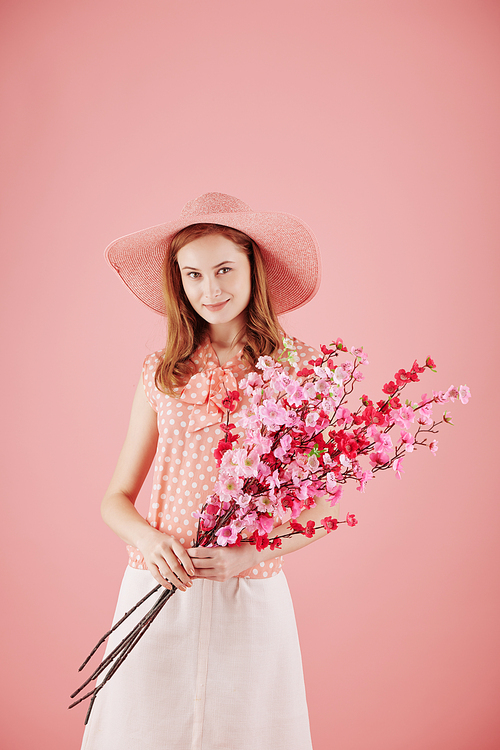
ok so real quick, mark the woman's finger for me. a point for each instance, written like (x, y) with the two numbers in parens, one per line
(201, 551)
(158, 576)
(203, 562)
(169, 575)
(183, 558)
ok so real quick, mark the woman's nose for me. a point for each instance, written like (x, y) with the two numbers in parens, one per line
(212, 287)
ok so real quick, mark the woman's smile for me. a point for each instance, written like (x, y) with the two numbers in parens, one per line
(216, 306)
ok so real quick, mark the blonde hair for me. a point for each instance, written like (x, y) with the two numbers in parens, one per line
(186, 329)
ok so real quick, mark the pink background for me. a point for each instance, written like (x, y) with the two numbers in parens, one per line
(377, 123)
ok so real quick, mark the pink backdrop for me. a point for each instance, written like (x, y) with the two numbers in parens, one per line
(377, 123)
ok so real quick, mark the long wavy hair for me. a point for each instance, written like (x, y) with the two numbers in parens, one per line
(186, 329)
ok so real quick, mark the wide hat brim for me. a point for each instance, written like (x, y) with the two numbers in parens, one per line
(289, 249)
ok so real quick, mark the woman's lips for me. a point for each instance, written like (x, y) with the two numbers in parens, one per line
(219, 306)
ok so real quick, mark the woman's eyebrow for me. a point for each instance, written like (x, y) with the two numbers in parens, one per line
(224, 263)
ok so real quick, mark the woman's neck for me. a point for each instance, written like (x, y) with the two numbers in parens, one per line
(227, 339)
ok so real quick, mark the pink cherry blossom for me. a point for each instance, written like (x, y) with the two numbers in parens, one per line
(384, 443)
(433, 447)
(404, 416)
(439, 397)
(265, 523)
(312, 418)
(425, 419)
(247, 463)
(264, 504)
(335, 495)
(339, 375)
(464, 394)
(294, 393)
(226, 535)
(280, 381)
(252, 380)
(331, 482)
(272, 414)
(320, 372)
(267, 365)
(379, 459)
(452, 393)
(363, 477)
(397, 466)
(344, 417)
(322, 387)
(408, 440)
(373, 432)
(313, 462)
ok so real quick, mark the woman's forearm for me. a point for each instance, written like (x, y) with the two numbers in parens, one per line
(120, 514)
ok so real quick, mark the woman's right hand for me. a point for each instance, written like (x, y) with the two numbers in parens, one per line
(167, 560)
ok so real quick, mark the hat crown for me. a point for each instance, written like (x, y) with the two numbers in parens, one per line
(214, 203)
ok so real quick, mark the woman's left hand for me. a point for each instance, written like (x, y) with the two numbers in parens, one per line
(221, 563)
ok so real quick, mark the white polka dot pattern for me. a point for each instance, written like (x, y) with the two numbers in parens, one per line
(180, 483)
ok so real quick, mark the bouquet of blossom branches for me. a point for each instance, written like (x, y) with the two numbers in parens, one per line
(300, 440)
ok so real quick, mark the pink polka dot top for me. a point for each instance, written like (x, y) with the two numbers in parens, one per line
(185, 469)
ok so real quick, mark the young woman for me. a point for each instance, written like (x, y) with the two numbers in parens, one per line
(220, 668)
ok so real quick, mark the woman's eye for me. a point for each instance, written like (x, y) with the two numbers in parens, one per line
(224, 270)
(193, 274)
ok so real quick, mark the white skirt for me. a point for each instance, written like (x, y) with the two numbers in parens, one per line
(219, 669)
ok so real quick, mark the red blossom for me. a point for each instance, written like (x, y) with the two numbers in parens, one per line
(429, 362)
(395, 403)
(350, 519)
(402, 377)
(349, 447)
(224, 445)
(261, 541)
(368, 414)
(230, 400)
(362, 440)
(340, 345)
(379, 418)
(330, 524)
(416, 367)
(296, 526)
(390, 387)
(325, 350)
(310, 530)
(275, 543)
(305, 372)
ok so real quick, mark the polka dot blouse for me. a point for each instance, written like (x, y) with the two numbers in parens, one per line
(185, 469)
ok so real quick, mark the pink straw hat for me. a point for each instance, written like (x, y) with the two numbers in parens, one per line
(289, 249)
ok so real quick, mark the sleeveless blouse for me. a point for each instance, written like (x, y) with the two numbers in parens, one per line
(185, 469)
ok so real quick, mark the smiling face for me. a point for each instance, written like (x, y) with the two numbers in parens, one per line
(216, 277)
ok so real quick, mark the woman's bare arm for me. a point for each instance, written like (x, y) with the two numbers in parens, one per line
(165, 557)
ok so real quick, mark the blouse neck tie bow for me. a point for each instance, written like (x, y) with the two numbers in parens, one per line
(206, 390)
